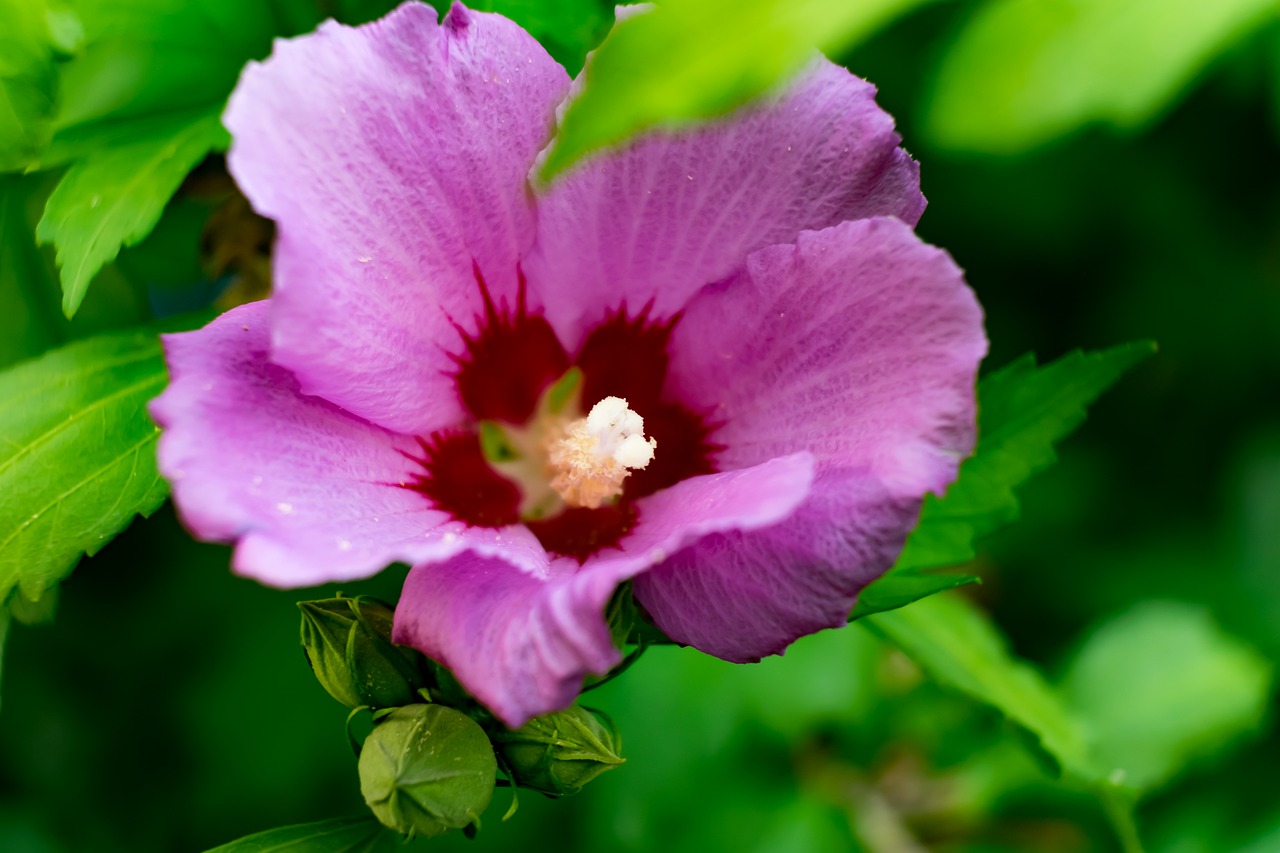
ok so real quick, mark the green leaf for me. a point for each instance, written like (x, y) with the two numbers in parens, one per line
(355, 12)
(342, 835)
(145, 59)
(687, 60)
(115, 196)
(5, 619)
(29, 324)
(19, 609)
(1025, 71)
(1149, 692)
(1160, 686)
(898, 587)
(77, 454)
(139, 107)
(1023, 410)
(566, 28)
(40, 612)
(957, 645)
(28, 82)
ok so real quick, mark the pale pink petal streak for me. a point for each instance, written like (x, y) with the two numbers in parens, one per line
(308, 492)
(392, 157)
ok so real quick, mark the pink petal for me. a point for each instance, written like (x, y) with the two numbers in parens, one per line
(522, 641)
(859, 344)
(666, 215)
(308, 492)
(743, 595)
(392, 156)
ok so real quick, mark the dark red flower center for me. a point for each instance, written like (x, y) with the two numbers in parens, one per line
(504, 367)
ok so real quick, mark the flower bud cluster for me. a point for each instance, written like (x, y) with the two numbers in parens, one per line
(431, 763)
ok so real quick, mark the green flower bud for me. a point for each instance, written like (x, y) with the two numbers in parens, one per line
(558, 754)
(426, 769)
(348, 644)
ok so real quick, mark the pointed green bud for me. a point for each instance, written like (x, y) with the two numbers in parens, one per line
(348, 644)
(558, 754)
(426, 769)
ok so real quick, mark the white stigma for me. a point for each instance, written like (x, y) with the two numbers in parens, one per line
(594, 455)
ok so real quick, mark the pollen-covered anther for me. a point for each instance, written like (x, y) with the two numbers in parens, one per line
(593, 456)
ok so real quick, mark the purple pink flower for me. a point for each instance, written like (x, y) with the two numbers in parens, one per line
(717, 362)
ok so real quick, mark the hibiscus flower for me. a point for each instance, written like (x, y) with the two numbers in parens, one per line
(716, 362)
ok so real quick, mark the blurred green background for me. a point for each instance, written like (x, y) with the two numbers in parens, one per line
(1100, 181)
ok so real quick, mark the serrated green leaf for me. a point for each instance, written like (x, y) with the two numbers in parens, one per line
(1160, 686)
(1023, 410)
(957, 645)
(1024, 71)
(114, 197)
(342, 835)
(686, 60)
(28, 82)
(139, 107)
(77, 454)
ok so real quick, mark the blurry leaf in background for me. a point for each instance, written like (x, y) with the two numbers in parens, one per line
(356, 12)
(566, 28)
(1149, 692)
(27, 325)
(141, 59)
(956, 644)
(77, 455)
(1023, 410)
(31, 319)
(114, 196)
(28, 82)
(19, 609)
(5, 619)
(1258, 511)
(343, 835)
(1160, 686)
(686, 60)
(1022, 72)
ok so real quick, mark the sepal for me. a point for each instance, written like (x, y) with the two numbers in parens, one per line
(348, 644)
(557, 754)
